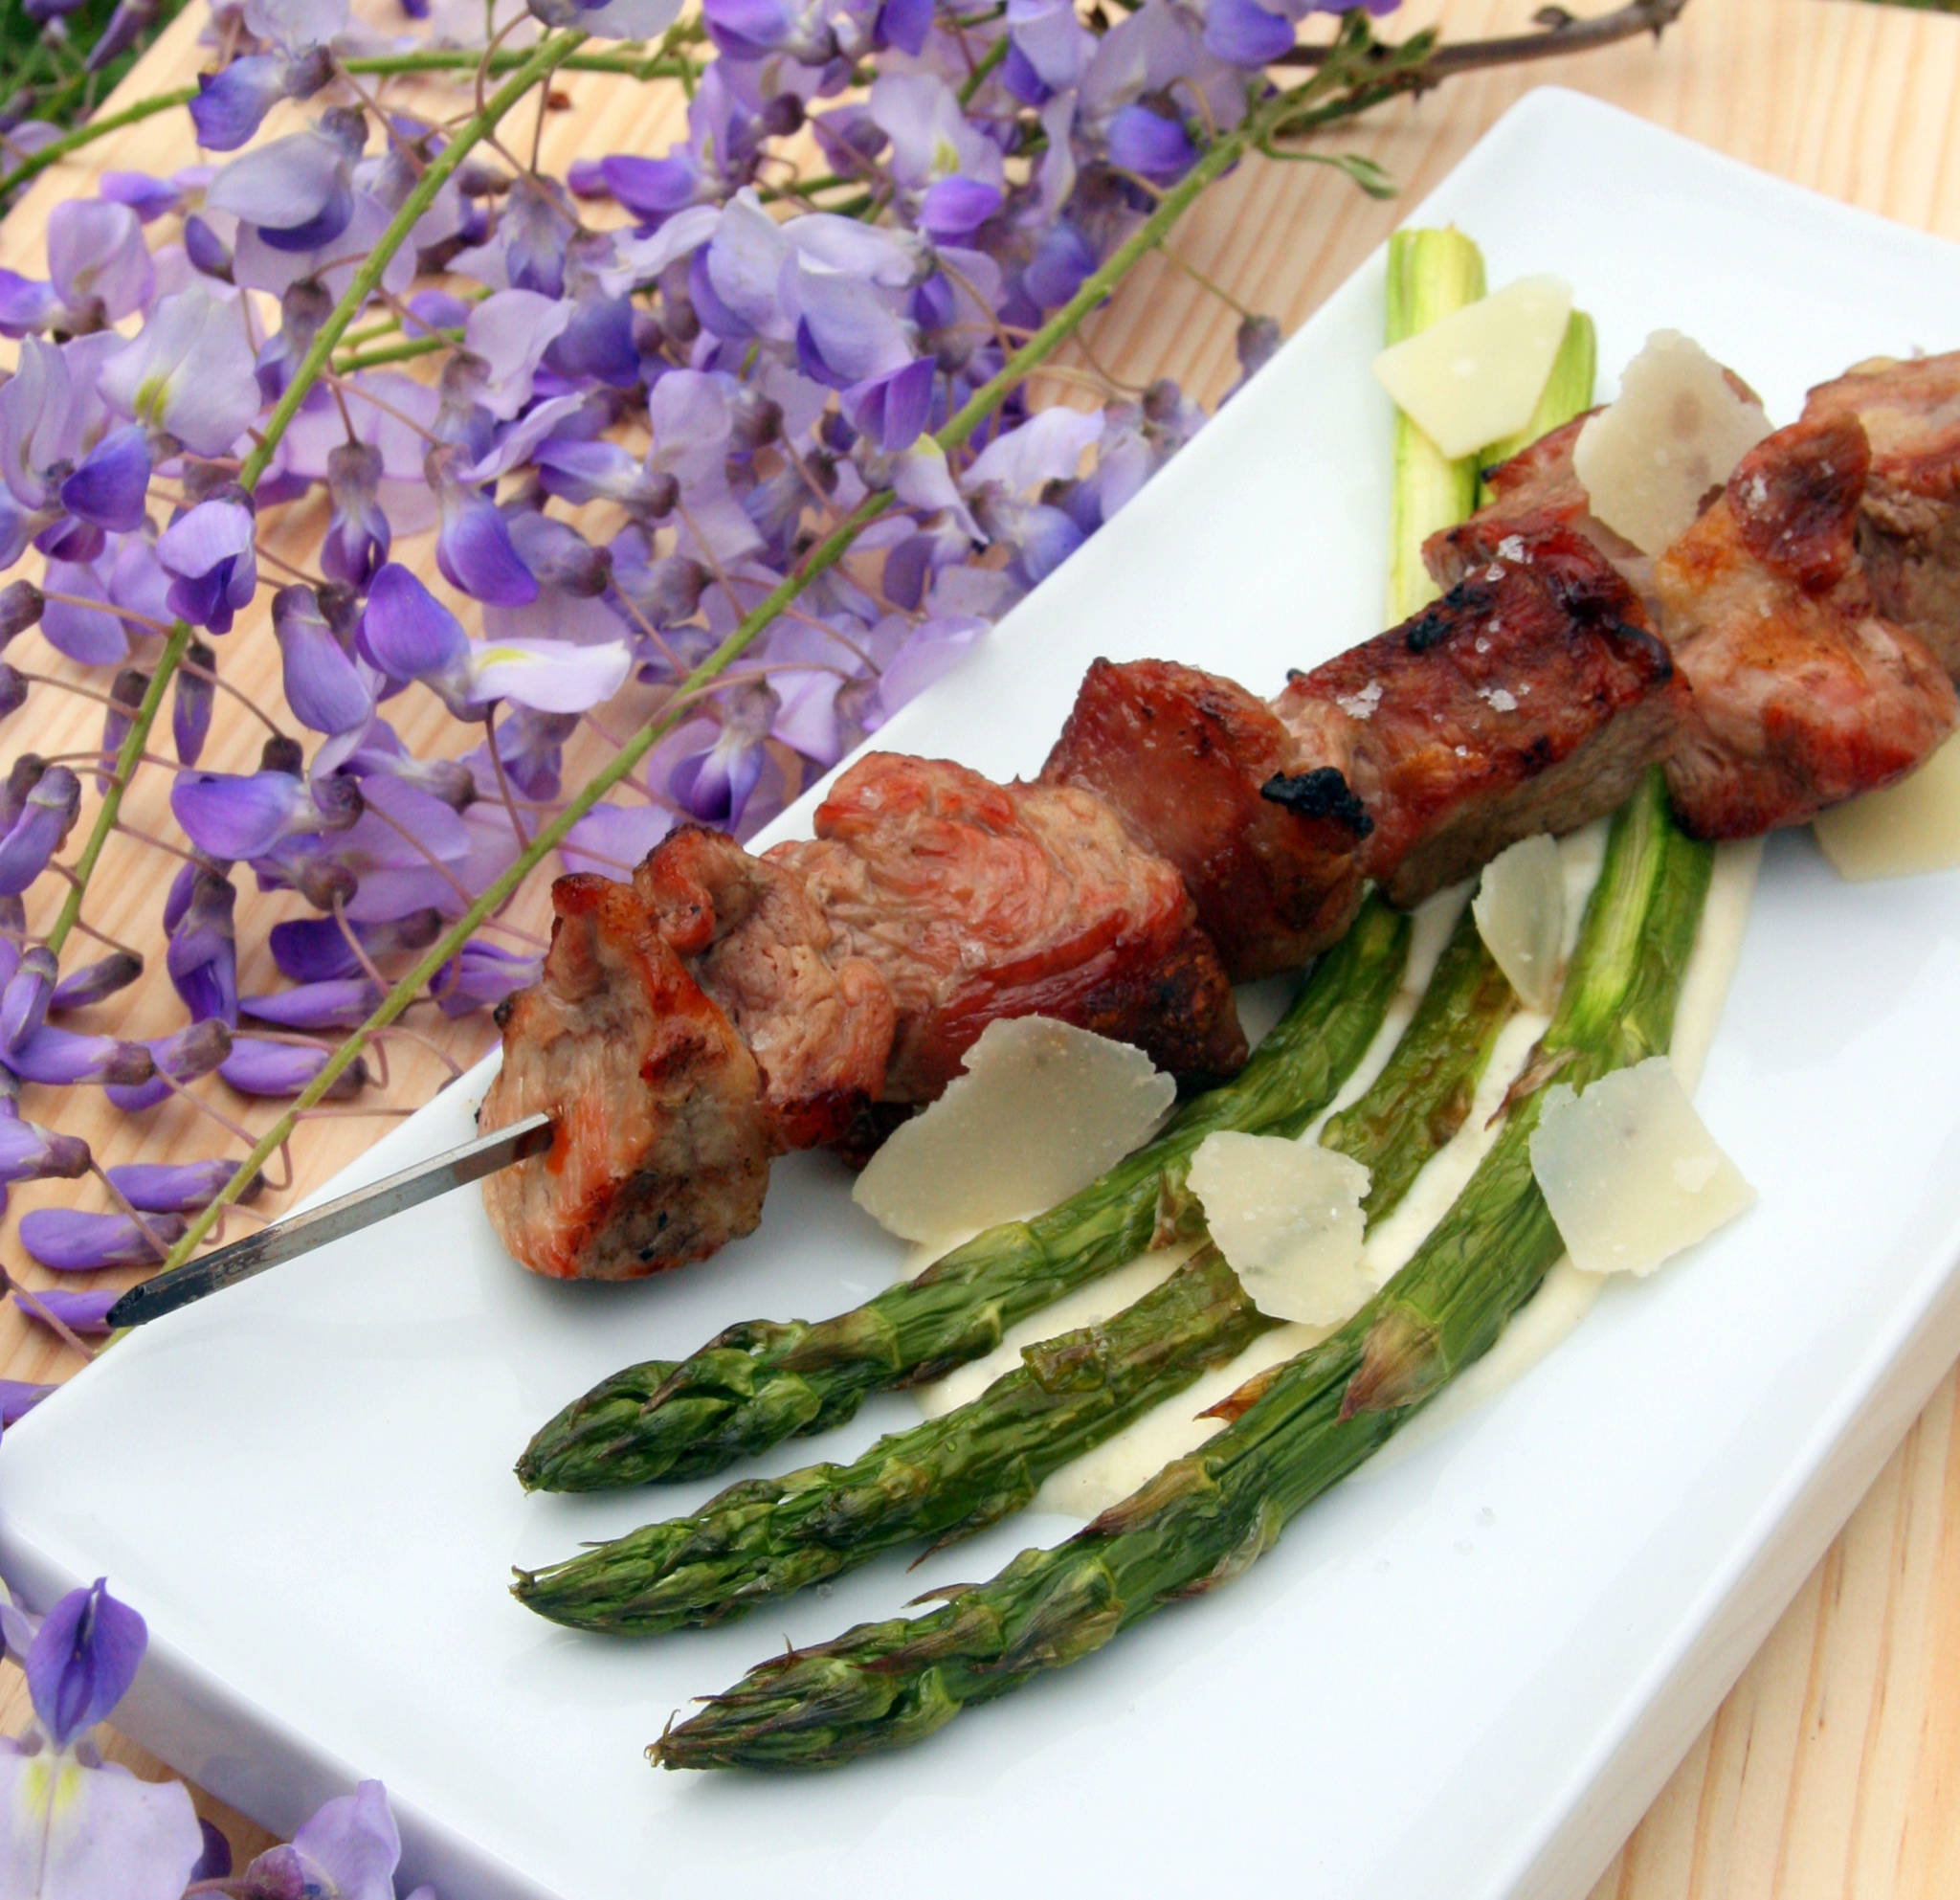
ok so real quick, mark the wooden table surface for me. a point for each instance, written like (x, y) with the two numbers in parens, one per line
(1834, 1765)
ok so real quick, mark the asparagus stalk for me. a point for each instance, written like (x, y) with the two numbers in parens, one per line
(1303, 1426)
(1430, 273)
(764, 1539)
(1568, 392)
(761, 1382)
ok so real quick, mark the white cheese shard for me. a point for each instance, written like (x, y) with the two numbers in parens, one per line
(1042, 1108)
(1286, 1214)
(1677, 431)
(1902, 830)
(1475, 376)
(1630, 1173)
(1520, 907)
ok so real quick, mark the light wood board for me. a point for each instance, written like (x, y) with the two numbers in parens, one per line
(1834, 1766)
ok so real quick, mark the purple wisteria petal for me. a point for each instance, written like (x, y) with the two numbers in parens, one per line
(97, 258)
(36, 834)
(82, 1831)
(1051, 39)
(260, 1066)
(27, 304)
(893, 410)
(315, 950)
(620, 19)
(86, 1312)
(181, 1187)
(147, 197)
(232, 104)
(347, 1851)
(291, 184)
(95, 982)
(931, 652)
(1244, 33)
(509, 332)
(610, 839)
(481, 975)
(190, 372)
(60, 1058)
(202, 957)
(66, 1241)
(715, 783)
(209, 552)
(109, 486)
(548, 676)
(234, 815)
(473, 550)
(18, 1398)
(1048, 447)
(327, 688)
(955, 208)
(30, 1154)
(342, 1003)
(407, 634)
(83, 1658)
(25, 997)
(216, 1862)
(1150, 144)
(89, 636)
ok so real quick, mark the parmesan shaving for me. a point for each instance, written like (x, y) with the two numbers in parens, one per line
(1677, 431)
(1475, 376)
(1630, 1173)
(1520, 907)
(1904, 829)
(1042, 1108)
(1286, 1214)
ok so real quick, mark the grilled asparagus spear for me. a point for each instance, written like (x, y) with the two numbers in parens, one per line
(1303, 1426)
(762, 1381)
(948, 1476)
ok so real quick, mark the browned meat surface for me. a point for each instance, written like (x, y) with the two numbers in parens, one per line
(1529, 698)
(1185, 759)
(662, 1146)
(976, 901)
(1532, 493)
(761, 948)
(1909, 525)
(1803, 695)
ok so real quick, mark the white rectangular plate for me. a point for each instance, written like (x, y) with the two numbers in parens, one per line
(1462, 1676)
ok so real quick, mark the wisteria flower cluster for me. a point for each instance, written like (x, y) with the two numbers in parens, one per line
(587, 474)
(668, 482)
(76, 1827)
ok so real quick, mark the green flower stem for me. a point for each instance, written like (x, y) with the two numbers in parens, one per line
(543, 60)
(57, 149)
(398, 352)
(511, 59)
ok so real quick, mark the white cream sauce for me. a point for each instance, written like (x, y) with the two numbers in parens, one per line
(1116, 1468)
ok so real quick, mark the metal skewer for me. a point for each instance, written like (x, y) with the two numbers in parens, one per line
(333, 1221)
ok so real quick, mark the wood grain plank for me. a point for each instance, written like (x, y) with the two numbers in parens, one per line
(1834, 1764)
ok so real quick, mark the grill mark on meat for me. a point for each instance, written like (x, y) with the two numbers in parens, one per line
(1529, 698)
(975, 900)
(1187, 761)
(662, 1142)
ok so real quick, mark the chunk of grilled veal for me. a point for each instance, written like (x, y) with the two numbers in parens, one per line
(1198, 771)
(976, 901)
(1908, 523)
(1534, 493)
(1803, 695)
(1529, 698)
(759, 947)
(662, 1141)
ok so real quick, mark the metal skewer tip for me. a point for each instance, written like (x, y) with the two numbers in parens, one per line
(333, 1221)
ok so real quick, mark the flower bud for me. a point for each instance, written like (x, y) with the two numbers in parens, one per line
(67, 1241)
(94, 981)
(20, 607)
(25, 998)
(180, 1187)
(280, 753)
(192, 700)
(61, 1059)
(34, 836)
(13, 690)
